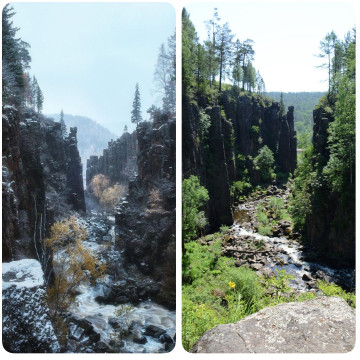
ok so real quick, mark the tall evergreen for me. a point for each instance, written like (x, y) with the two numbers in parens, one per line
(136, 111)
(165, 75)
(15, 59)
(39, 99)
(63, 125)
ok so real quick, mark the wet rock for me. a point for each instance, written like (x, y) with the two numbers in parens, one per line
(81, 329)
(166, 338)
(284, 224)
(101, 347)
(256, 266)
(154, 331)
(306, 277)
(322, 325)
(267, 272)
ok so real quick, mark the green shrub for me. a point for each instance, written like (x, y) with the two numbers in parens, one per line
(330, 289)
(264, 162)
(265, 230)
(194, 196)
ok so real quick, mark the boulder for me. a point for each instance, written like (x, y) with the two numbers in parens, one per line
(322, 325)
(26, 327)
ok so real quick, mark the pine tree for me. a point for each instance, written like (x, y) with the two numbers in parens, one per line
(223, 48)
(136, 111)
(63, 125)
(15, 59)
(39, 99)
(125, 129)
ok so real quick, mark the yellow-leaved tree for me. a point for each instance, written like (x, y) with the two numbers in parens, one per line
(73, 263)
(107, 195)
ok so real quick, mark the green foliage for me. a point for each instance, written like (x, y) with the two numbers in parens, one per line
(340, 169)
(264, 229)
(218, 292)
(241, 188)
(300, 203)
(254, 134)
(331, 289)
(277, 289)
(264, 162)
(199, 259)
(194, 196)
(204, 124)
(196, 320)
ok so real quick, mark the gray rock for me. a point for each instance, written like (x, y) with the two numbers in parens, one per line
(323, 325)
(26, 325)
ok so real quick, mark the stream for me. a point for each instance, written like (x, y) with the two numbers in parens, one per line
(122, 327)
(280, 253)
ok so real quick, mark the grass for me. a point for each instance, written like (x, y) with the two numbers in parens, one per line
(215, 291)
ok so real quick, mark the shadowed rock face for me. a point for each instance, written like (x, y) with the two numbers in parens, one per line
(42, 180)
(118, 161)
(246, 124)
(145, 222)
(330, 227)
(323, 325)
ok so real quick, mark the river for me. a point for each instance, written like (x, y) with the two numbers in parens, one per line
(134, 320)
(277, 253)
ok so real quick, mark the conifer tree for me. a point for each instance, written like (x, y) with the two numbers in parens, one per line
(39, 99)
(63, 125)
(136, 111)
(15, 59)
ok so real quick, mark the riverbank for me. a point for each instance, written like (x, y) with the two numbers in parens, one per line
(237, 271)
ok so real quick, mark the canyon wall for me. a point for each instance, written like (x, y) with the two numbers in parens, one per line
(330, 226)
(118, 161)
(42, 180)
(145, 221)
(240, 124)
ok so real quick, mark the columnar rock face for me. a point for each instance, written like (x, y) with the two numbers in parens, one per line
(244, 125)
(118, 161)
(145, 221)
(42, 180)
(330, 227)
(323, 325)
(26, 326)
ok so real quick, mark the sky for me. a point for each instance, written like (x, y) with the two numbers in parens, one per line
(88, 57)
(287, 36)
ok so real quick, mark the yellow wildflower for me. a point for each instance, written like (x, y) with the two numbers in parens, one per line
(231, 285)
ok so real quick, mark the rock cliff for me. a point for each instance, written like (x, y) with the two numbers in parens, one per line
(323, 325)
(145, 221)
(330, 227)
(42, 180)
(240, 124)
(118, 161)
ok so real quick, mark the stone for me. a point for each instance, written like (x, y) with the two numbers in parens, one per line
(306, 277)
(154, 331)
(26, 325)
(322, 325)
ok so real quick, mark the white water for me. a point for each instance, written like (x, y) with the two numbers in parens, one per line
(291, 253)
(140, 316)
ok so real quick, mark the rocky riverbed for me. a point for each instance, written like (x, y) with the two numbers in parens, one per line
(117, 314)
(282, 250)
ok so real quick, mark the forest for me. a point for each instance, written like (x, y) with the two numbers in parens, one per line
(88, 239)
(261, 225)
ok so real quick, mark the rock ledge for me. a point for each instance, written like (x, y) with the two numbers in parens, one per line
(323, 325)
